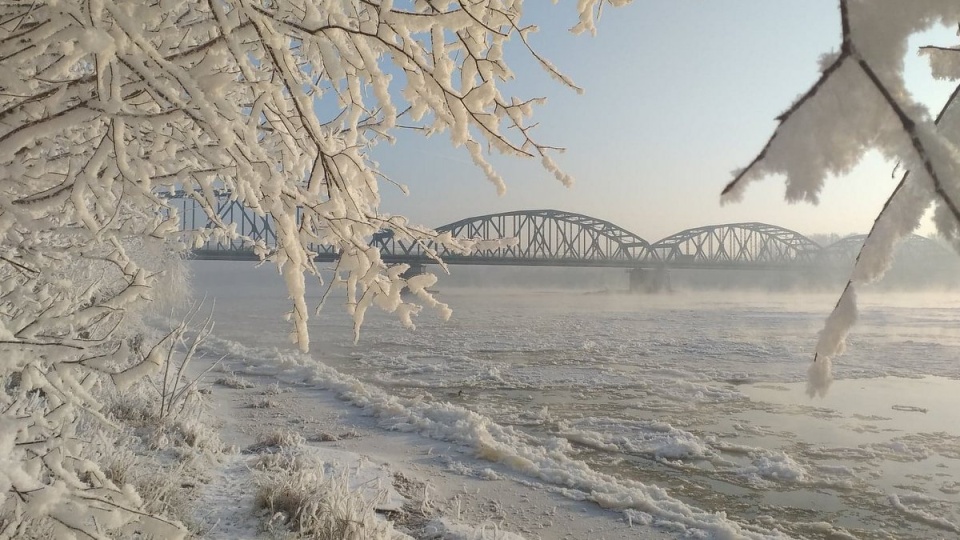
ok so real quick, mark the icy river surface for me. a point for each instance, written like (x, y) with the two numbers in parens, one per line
(699, 393)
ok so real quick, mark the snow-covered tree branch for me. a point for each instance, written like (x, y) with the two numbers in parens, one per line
(861, 102)
(105, 105)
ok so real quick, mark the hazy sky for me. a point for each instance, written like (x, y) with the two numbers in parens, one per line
(679, 93)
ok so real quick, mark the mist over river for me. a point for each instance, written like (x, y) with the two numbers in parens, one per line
(701, 393)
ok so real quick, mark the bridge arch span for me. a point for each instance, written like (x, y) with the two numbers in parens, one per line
(737, 244)
(551, 235)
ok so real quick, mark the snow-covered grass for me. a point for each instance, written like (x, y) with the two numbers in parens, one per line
(163, 457)
(165, 485)
(299, 494)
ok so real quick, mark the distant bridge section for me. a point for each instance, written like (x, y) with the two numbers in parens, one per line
(914, 248)
(540, 238)
(557, 238)
(751, 245)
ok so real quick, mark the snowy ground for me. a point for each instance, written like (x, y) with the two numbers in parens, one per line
(480, 496)
(572, 415)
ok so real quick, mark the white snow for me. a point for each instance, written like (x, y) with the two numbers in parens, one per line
(447, 529)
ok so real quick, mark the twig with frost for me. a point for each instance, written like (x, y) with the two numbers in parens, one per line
(174, 387)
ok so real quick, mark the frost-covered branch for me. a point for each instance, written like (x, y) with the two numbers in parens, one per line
(277, 105)
(860, 102)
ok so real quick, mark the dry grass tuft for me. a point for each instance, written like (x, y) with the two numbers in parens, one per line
(281, 438)
(235, 381)
(136, 408)
(265, 403)
(276, 441)
(274, 389)
(299, 496)
(326, 436)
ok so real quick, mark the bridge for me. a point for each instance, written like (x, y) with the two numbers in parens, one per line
(557, 238)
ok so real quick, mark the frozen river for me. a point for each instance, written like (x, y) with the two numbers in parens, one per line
(699, 393)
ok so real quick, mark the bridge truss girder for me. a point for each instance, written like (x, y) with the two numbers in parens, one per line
(254, 227)
(540, 235)
(548, 238)
(737, 244)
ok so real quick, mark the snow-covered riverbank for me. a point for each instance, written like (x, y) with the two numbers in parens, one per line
(559, 415)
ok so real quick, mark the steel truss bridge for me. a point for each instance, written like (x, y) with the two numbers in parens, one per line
(557, 238)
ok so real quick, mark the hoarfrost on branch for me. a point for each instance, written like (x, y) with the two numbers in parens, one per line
(105, 105)
(860, 102)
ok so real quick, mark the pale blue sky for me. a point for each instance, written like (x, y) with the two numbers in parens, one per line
(678, 94)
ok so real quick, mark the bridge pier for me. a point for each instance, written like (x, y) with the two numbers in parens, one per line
(649, 280)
